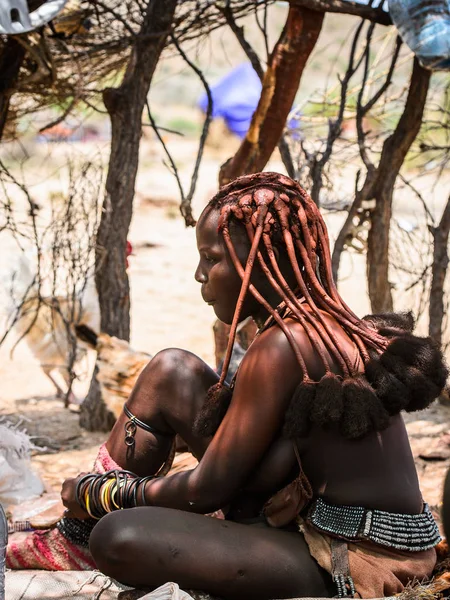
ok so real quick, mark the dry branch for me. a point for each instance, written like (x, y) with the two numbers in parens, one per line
(251, 54)
(376, 15)
(438, 274)
(319, 160)
(280, 84)
(45, 292)
(394, 152)
(86, 48)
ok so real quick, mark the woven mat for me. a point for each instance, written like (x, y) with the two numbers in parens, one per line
(81, 585)
(76, 585)
(73, 585)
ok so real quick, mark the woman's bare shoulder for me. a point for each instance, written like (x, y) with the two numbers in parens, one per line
(271, 362)
(274, 342)
(280, 347)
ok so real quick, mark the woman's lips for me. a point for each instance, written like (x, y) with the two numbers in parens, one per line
(207, 300)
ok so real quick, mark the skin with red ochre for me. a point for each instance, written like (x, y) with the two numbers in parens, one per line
(245, 462)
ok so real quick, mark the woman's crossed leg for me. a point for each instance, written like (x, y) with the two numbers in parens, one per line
(148, 546)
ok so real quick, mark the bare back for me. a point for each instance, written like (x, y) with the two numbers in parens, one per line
(376, 471)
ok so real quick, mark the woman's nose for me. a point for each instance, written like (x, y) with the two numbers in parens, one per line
(200, 276)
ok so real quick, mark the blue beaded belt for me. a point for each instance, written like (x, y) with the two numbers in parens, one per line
(413, 533)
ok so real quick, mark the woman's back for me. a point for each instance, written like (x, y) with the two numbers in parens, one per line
(375, 471)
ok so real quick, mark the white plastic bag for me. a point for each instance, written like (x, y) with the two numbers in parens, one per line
(18, 482)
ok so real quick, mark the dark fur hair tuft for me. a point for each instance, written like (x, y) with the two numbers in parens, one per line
(212, 412)
(328, 404)
(422, 390)
(391, 391)
(423, 354)
(297, 420)
(363, 410)
(403, 320)
(392, 332)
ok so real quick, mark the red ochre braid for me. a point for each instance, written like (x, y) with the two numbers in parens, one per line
(275, 201)
(276, 212)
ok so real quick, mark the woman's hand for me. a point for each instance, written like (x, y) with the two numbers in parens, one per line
(68, 497)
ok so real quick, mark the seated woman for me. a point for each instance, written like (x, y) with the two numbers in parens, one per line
(305, 453)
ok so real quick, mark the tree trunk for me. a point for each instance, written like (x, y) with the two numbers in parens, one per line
(124, 105)
(438, 273)
(280, 85)
(94, 415)
(345, 232)
(11, 59)
(394, 152)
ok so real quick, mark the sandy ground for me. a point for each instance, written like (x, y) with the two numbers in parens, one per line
(167, 311)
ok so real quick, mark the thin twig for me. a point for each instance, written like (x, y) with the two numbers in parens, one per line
(172, 165)
(251, 54)
(420, 197)
(262, 27)
(186, 209)
(359, 106)
(369, 105)
(239, 33)
(61, 118)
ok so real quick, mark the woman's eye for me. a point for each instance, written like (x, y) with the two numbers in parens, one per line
(210, 259)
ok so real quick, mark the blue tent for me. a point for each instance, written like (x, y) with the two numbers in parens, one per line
(235, 98)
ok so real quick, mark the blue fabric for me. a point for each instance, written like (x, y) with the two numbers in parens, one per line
(235, 98)
(425, 27)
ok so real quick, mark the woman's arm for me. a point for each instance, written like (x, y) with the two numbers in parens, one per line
(266, 381)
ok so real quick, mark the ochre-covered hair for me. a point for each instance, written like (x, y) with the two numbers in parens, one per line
(401, 371)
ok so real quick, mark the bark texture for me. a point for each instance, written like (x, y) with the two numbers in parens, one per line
(439, 271)
(394, 152)
(125, 105)
(280, 85)
(11, 59)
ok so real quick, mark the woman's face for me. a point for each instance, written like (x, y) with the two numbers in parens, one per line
(220, 281)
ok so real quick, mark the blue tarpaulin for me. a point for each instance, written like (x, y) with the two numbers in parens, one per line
(235, 98)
